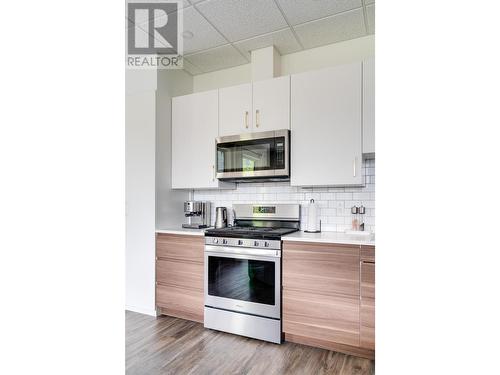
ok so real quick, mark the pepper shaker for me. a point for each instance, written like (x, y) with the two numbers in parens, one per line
(361, 211)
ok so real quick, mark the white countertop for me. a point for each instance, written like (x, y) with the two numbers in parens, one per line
(323, 237)
(329, 237)
(180, 230)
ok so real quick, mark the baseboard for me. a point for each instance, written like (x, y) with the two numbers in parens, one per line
(141, 310)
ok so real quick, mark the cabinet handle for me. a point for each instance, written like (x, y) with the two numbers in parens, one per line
(213, 172)
(246, 119)
(257, 117)
(354, 166)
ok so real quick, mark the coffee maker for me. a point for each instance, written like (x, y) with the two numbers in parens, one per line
(197, 213)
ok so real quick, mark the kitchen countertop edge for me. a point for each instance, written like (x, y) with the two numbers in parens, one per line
(327, 237)
(183, 231)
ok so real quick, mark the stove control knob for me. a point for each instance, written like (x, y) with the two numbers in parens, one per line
(224, 241)
(215, 240)
(266, 244)
(240, 242)
(256, 243)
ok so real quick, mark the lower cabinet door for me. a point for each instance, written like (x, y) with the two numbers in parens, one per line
(180, 302)
(332, 318)
(367, 315)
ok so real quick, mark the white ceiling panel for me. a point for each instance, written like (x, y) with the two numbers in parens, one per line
(243, 19)
(284, 41)
(370, 17)
(299, 11)
(204, 36)
(344, 26)
(217, 58)
(190, 68)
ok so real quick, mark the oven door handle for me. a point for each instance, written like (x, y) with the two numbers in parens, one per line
(224, 250)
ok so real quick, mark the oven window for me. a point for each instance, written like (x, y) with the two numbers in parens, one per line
(241, 279)
(246, 156)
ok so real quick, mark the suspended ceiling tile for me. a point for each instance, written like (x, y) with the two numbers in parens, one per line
(344, 26)
(204, 36)
(298, 12)
(284, 41)
(217, 58)
(243, 19)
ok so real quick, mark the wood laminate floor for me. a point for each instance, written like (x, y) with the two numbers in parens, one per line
(167, 345)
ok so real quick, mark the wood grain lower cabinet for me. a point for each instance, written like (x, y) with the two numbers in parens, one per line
(321, 292)
(367, 306)
(332, 318)
(321, 268)
(179, 276)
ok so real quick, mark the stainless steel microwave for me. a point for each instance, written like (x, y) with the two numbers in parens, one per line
(263, 156)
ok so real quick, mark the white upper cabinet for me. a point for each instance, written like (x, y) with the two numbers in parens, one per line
(369, 106)
(235, 110)
(326, 140)
(258, 107)
(194, 129)
(271, 104)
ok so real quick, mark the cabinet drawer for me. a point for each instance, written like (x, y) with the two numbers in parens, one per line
(185, 248)
(368, 253)
(180, 302)
(319, 268)
(183, 274)
(329, 318)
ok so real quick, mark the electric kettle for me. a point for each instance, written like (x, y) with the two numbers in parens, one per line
(220, 217)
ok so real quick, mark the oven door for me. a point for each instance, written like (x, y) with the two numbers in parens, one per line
(243, 280)
(253, 155)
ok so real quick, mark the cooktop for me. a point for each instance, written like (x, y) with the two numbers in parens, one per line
(249, 232)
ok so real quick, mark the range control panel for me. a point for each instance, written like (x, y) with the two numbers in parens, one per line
(243, 242)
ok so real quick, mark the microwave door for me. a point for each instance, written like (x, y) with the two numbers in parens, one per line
(252, 157)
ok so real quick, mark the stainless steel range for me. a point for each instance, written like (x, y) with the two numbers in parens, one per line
(243, 270)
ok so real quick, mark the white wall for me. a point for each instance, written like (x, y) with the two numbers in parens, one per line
(311, 59)
(222, 78)
(150, 202)
(330, 55)
(140, 129)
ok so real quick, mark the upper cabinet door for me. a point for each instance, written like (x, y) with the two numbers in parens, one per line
(369, 106)
(194, 129)
(326, 141)
(271, 104)
(235, 110)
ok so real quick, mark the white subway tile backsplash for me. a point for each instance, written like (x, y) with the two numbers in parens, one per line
(343, 196)
(269, 196)
(334, 202)
(360, 196)
(327, 196)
